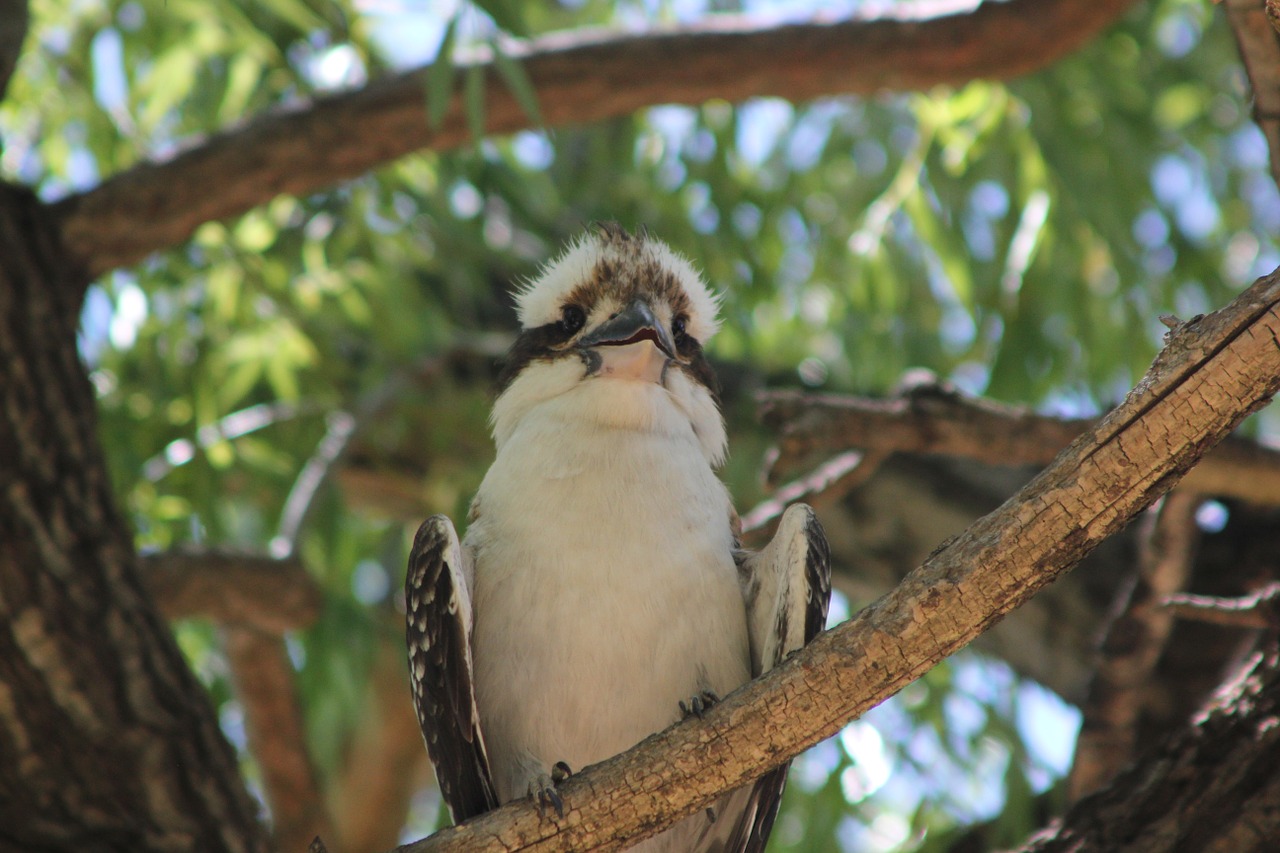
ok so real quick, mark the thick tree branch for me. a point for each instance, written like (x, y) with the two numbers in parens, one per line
(1210, 375)
(263, 677)
(579, 78)
(250, 590)
(1259, 45)
(1212, 788)
(939, 420)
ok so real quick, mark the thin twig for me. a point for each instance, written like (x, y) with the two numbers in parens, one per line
(1259, 610)
(829, 482)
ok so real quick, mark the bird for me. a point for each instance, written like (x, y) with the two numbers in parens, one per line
(602, 592)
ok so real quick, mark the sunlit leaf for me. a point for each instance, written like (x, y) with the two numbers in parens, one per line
(518, 82)
(507, 14)
(474, 91)
(440, 77)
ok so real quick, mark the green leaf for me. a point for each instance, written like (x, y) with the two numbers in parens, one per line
(507, 14)
(518, 82)
(474, 93)
(440, 77)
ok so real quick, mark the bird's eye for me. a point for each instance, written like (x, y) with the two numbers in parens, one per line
(572, 318)
(680, 330)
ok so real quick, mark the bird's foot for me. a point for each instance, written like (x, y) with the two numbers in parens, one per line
(542, 789)
(698, 704)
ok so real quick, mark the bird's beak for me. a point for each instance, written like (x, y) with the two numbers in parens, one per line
(619, 346)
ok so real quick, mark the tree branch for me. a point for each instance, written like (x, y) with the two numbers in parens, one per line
(1214, 787)
(257, 600)
(939, 420)
(269, 594)
(1211, 374)
(264, 682)
(827, 483)
(579, 78)
(1259, 610)
(1135, 638)
(1259, 45)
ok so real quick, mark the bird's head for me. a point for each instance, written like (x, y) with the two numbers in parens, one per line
(613, 331)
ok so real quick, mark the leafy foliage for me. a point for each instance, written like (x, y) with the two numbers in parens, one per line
(1017, 239)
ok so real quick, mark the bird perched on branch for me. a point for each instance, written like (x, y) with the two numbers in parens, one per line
(601, 592)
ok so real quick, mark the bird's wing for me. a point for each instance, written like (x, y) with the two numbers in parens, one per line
(786, 588)
(438, 630)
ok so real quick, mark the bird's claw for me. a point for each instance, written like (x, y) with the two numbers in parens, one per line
(698, 704)
(542, 790)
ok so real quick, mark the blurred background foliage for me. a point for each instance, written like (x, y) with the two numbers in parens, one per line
(314, 377)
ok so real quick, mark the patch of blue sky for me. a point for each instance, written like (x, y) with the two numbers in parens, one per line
(809, 134)
(1177, 35)
(1151, 228)
(95, 317)
(110, 84)
(335, 67)
(1212, 516)
(1259, 189)
(533, 149)
(408, 34)
(1182, 186)
(762, 124)
(112, 314)
(1048, 727)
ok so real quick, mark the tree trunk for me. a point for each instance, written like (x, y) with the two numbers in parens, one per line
(107, 741)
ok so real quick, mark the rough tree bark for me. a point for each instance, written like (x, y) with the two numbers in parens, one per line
(105, 734)
(106, 740)
(1214, 788)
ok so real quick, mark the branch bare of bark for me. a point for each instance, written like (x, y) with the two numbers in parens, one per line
(234, 589)
(826, 483)
(939, 420)
(1210, 375)
(263, 677)
(1259, 610)
(1259, 45)
(1135, 638)
(579, 78)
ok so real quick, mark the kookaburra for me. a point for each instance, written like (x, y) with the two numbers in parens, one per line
(601, 592)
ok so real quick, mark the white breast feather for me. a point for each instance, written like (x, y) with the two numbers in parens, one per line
(605, 586)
